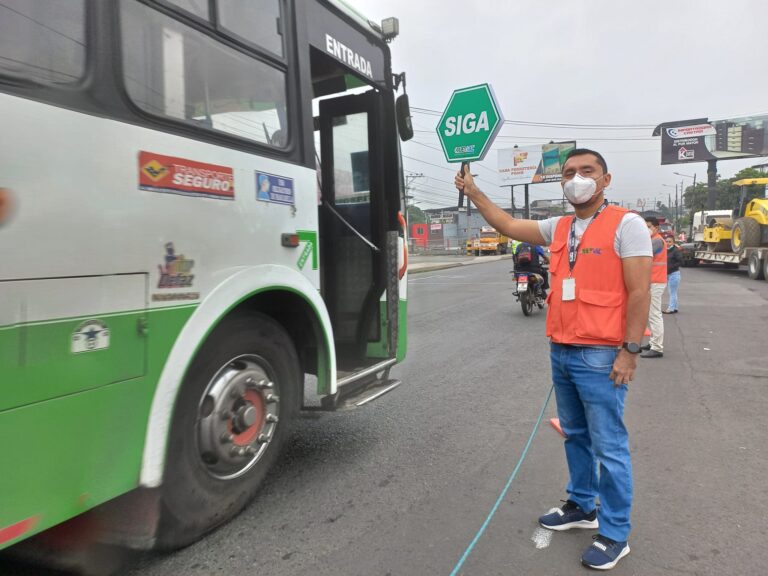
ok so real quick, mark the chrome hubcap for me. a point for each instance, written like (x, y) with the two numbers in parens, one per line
(237, 417)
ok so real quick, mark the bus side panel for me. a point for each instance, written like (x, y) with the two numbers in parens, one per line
(77, 451)
(70, 335)
(82, 212)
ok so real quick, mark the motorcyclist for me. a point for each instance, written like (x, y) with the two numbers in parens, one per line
(530, 258)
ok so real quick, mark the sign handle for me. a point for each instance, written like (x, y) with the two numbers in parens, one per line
(461, 192)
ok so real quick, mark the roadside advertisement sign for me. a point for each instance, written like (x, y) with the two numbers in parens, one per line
(702, 140)
(533, 164)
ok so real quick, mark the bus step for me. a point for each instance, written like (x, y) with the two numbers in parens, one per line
(347, 399)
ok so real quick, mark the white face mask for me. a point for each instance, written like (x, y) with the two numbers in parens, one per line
(579, 189)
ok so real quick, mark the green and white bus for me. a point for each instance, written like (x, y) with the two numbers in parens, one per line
(201, 205)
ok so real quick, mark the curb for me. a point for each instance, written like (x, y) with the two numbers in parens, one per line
(432, 268)
(446, 265)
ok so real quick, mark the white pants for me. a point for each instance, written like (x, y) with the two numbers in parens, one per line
(655, 319)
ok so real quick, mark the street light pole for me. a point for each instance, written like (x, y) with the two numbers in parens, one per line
(710, 197)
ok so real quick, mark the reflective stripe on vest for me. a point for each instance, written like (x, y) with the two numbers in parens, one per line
(597, 317)
(659, 269)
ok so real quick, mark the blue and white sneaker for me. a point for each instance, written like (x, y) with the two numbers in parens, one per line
(604, 553)
(569, 516)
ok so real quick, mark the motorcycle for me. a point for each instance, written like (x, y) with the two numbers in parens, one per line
(529, 291)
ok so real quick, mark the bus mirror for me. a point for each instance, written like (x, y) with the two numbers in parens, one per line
(403, 113)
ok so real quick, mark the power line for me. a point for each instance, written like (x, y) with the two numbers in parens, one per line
(441, 151)
(545, 139)
(645, 150)
(429, 111)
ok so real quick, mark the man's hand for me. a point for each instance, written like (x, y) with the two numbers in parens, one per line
(466, 182)
(623, 368)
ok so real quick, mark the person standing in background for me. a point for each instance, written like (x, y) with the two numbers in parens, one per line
(658, 285)
(674, 261)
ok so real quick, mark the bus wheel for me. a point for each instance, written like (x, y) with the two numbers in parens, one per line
(232, 415)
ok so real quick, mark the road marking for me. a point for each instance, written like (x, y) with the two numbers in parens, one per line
(420, 278)
(463, 284)
(542, 537)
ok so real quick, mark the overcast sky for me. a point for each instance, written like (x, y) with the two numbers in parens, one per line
(580, 62)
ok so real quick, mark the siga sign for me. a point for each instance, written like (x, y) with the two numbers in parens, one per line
(469, 124)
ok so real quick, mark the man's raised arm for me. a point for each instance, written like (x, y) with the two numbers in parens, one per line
(523, 230)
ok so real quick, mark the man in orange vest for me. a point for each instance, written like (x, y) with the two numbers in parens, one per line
(600, 266)
(655, 348)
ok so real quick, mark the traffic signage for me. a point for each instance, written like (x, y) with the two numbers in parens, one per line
(471, 121)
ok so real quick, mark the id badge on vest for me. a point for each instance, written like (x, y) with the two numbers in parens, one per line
(569, 289)
(569, 284)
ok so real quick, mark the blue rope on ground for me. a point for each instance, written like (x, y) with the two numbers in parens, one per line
(472, 544)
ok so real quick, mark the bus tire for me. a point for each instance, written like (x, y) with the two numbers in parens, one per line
(233, 413)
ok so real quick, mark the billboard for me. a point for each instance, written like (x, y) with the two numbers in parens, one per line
(533, 164)
(702, 140)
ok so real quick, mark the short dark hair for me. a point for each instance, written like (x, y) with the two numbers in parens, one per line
(652, 220)
(582, 151)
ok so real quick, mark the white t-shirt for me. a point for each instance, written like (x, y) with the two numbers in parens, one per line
(632, 236)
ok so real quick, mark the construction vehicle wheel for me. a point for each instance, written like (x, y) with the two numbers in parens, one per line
(765, 268)
(755, 267)
(745, 234)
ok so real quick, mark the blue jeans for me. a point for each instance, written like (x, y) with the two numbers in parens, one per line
(591, 412)
(673, 282)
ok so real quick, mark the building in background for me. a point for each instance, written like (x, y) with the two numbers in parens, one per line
(448, 229)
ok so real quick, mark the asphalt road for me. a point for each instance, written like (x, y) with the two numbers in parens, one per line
(402, 486)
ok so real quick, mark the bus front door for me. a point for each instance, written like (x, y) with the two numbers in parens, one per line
(353, 230)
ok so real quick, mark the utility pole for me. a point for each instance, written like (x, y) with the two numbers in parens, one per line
(409, 179)
(711, 184)
(527, 204)
(670, 206)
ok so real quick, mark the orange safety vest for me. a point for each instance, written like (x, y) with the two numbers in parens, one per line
(598, 315)
(659, 269)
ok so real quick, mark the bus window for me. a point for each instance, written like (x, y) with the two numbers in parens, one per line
(43, 41)
(197, 7)
(176, 71)
(257, 21)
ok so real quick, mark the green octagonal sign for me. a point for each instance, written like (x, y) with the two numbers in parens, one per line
(471, 121)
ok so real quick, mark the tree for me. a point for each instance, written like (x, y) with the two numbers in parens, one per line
(416, 215)
(669, 213)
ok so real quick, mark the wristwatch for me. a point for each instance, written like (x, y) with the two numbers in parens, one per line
(631, 347)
